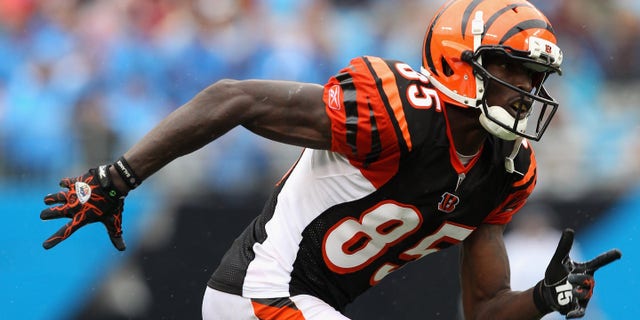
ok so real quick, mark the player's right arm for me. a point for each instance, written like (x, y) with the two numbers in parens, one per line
(288, 112)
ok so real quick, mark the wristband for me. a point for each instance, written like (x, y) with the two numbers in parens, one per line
(126, 173)
(104, 178)
(538, 299)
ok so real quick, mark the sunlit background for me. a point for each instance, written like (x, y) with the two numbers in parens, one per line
(82, 80)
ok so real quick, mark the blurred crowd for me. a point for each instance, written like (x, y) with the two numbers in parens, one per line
(82, 80)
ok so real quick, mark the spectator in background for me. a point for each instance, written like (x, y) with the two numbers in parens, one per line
(97, 138)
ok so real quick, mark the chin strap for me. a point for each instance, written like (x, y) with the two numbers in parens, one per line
(508, 161)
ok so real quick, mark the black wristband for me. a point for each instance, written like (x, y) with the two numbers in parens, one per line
(104, 178)
(538, 299)
(126, 173)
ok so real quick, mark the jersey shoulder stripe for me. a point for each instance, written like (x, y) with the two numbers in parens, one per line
(388, 85)
(362, 127)
(367, 118)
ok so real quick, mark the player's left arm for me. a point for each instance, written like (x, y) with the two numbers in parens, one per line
(485, 279)
(567, 286)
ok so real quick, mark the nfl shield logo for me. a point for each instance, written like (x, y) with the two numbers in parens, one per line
(83, 191)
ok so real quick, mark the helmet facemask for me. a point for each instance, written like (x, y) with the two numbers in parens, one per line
(530, 114)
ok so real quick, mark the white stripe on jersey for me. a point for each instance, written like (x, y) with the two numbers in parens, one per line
(320, 180)
(221, 305)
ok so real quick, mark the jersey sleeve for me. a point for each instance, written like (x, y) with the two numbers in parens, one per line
(520, 189)
(368, 122)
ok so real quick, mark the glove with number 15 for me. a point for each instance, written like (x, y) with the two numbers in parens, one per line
(568, 285)
(90, 198)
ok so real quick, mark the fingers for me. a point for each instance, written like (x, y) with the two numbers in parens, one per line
(52, 241)
(56, 212)
(583, 281)
(118, 242)
(583, 285)
(67, 198)
(114, 228)
(577, 313)
(67, 182)
(602, 260)
(63, 233)
(556, 271)
(564, 246)
(59, 197)
(84, 207)
(113, 225)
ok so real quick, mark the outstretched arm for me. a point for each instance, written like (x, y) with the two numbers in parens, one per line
(287, 112)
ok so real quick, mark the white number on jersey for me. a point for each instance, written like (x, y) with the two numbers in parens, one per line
(353, 244)
(420, 97)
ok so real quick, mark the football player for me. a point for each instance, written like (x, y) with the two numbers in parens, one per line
(397, 164)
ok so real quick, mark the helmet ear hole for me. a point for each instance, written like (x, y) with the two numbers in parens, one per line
(446, 68)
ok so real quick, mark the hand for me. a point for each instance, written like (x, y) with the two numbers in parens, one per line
(568, 285)
(90, 198)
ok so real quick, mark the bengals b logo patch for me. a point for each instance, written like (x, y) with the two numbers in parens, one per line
(448, 202)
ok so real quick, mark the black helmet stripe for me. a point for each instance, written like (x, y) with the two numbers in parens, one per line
(499, 13)
(469, 10)
(467, 14)
(427, 41)
(526, 25)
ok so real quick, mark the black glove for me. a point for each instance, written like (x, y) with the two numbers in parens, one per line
(90, 198)
(568, 285)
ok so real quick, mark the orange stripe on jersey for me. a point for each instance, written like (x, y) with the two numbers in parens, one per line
(522, 189)
(276, 309)
(391, 90)
(531, 170)
(361, 122)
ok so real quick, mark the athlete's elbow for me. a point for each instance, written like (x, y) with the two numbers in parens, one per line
(224, 94)
(221, 89)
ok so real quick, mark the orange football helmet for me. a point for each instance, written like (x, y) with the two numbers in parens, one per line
(464, 31)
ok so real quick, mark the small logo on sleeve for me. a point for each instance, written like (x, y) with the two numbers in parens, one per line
(334, 97)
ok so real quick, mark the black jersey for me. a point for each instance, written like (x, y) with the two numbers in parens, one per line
(391, 190)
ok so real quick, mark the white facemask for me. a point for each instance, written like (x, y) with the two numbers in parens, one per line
(501, 115)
